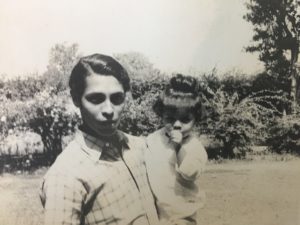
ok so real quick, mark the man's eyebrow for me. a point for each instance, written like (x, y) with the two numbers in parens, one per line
(95, 94)
(118, 92)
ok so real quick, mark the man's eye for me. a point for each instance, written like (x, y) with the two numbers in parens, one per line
(117, 98)
(96, 98)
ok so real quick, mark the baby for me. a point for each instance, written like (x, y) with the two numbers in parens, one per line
(176, 157)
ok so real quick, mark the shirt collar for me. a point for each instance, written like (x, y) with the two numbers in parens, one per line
(93, 146)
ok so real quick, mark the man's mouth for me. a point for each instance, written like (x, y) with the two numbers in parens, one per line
(109, 123)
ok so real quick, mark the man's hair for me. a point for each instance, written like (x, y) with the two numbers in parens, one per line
(96, 64)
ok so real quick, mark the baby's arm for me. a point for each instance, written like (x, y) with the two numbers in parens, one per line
(191, 160)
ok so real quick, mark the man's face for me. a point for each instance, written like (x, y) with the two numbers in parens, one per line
(102, 103)
(181, 119)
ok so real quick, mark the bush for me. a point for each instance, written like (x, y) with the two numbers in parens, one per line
(285, 135)
(52, 116)
(232, 114)
(237, 122)
(21, 143)
(21, 89)
(138, 117)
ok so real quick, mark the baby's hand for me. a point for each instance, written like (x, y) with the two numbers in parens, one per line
(176, 139)
(176, 136)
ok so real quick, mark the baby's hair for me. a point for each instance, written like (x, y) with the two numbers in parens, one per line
(184, 84)
(181, 90)
(96, 64)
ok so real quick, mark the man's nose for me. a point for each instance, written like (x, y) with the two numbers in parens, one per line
(177, 125)
(107, 110)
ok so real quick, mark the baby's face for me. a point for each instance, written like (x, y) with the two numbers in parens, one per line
(180, 119)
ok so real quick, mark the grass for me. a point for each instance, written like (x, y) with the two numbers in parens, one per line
(19, 199)
(265, 192)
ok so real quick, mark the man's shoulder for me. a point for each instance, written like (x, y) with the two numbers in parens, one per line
(134, 140)
(73, 149)
(67, 159)
(156, 133)
(155, 137)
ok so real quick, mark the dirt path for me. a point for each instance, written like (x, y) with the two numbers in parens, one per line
(254, 193)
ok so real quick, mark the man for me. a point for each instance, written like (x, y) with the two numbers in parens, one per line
(100, 178)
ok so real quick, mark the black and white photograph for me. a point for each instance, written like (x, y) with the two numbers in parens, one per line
(139, 112)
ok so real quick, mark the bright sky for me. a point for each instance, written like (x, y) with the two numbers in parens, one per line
(176, 35)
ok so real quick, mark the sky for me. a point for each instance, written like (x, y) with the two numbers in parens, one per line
(175, 35)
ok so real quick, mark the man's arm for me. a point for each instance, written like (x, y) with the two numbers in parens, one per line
(62, 197)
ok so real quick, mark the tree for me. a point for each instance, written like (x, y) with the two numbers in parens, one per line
(62, 59)
(276, 38)
(144, 76)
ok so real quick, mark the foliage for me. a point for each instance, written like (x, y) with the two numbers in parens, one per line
(139, 117)
(49, 114)
(285, 135)
(276, 29)
(277, 39)
(138, 66)
(265, 81)
(237, 122)
(21, 89)
(21, 142)
(146, 84)
(54, 117)
(237, 83)
(62, 59)
(236, 111)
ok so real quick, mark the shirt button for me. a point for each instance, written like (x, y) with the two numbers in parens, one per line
(107, 144)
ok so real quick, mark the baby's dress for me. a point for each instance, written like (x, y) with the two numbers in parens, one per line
(174, 177)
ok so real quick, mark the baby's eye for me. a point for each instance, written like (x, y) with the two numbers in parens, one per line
(169, 119)
(186, 119)
(117, 98)
(96, 98)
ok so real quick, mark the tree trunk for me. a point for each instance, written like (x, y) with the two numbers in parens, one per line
(228, 150)
(294, 90)
(294, 59)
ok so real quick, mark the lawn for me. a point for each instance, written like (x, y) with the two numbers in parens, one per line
(237, 193)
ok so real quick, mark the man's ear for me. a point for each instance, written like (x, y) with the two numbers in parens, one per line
(128, 96)
(75, 98)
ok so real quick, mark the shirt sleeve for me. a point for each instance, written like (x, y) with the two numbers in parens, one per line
(191, 160)
(62, 197)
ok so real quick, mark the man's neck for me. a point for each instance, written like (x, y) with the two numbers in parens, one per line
(89, 131)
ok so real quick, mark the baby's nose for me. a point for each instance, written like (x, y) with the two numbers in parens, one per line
(177, 125)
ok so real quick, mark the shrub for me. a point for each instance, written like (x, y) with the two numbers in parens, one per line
(52, 116)
(22, 142)
(285, 135)
(138, 117)
(237, 122)
(21, 89)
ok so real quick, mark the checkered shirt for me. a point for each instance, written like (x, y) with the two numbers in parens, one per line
(87, 186)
